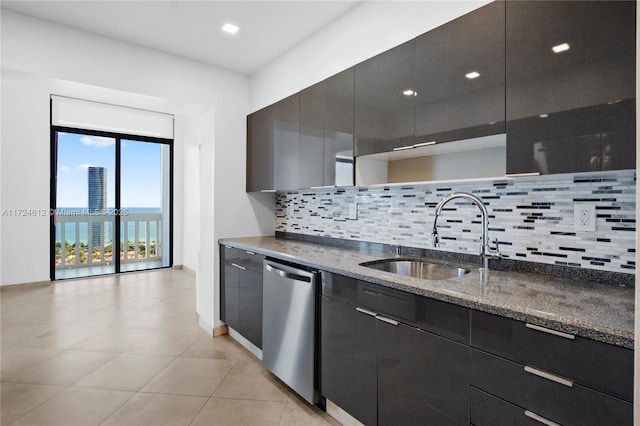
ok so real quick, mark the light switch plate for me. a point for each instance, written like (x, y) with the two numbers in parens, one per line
(584, 217)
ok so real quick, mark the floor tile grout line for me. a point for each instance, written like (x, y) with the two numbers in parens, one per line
(43, 402)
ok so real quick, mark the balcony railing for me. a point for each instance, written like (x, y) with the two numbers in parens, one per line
(87, 240)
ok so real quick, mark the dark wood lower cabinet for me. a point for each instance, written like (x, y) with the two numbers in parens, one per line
(348, 359)
(423, 379)
(251, 306)
(564, 403)
(230, 305)
(488, 410)
(383, 372)
(241, 292)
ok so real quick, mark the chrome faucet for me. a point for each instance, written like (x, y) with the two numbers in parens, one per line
(485, 250)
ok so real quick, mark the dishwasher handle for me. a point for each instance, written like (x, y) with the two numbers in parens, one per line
(286, 274)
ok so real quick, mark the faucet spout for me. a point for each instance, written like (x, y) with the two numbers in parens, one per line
(485, 250)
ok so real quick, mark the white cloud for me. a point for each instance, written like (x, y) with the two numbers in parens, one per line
(97, 141)
(83, 166)
(65, 169)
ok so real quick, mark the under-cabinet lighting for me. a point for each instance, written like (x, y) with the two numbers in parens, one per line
(402, 148)
(560, 48)
(418, 145)
(409, 92)
(230, 28)
(472, 75)
(544, 115)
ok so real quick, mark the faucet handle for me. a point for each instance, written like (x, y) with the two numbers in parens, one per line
(494, 252)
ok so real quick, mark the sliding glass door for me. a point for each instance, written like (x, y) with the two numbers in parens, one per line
(145, 197)
(111, 195)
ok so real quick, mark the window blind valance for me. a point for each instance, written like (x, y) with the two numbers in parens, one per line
(83, 114)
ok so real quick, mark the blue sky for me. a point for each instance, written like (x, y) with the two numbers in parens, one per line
(141, 170)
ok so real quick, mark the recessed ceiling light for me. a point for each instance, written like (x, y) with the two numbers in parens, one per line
(560, 48)
(472, 75)
(408, 92)
(230, 28)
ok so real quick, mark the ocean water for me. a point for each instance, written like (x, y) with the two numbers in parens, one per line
(83, 230)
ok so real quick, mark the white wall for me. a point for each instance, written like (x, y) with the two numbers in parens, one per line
(366, 30)
(202, 92)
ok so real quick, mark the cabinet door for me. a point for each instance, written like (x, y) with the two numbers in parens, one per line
(312, 110)
(348, 361)
(338, 129)
(251, 306)
(423, 379)
(286, 143)
(260, 150)
(383, 112)
(232, 296)
(452, 103)
(570, 73)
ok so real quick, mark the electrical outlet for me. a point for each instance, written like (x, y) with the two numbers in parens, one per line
(353, 211)
(290, 210)
(584, 217)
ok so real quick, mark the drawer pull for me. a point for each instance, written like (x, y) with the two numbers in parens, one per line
(364, 311)
(387, 320)
(541, 419)
(548, 376)
(239, 267)
(549, 331)
(522, 174)
(250, 252)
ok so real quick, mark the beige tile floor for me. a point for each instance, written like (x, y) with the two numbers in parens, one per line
(127, 350)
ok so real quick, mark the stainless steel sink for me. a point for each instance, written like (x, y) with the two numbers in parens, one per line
(417, 268)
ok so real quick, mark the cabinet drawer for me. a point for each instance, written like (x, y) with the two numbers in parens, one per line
(558, 402)
(395, 304)
(444, 319)
(487, 410)
(340, 287)
(597, 365)
(243, 258)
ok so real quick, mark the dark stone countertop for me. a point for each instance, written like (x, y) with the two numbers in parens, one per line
(594, 310)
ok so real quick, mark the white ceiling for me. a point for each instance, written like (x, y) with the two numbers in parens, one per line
(191, 29)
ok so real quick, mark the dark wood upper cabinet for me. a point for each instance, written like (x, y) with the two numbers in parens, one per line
(273, 146)
(459, 77)
(383, 112)
(338, 129)
(557, 76)
(570, 72)
(286, 143)
(311, 155)
(260, 150)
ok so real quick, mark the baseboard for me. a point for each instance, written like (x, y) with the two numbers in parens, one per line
(25, 286)
(341, 416)
(205, 325)
(220, 331)
(178, 267)
(247, 344)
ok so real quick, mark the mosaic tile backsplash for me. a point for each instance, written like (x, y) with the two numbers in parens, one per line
(531, 218)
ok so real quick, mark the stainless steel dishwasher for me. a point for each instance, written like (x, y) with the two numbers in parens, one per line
(288, 330)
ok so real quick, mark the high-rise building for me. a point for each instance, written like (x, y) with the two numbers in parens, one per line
(98, 201)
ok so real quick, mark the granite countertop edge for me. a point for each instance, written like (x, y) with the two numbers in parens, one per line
(618, 336)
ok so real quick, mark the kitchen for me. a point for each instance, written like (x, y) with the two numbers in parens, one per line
(531, 217)
(556, 212)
